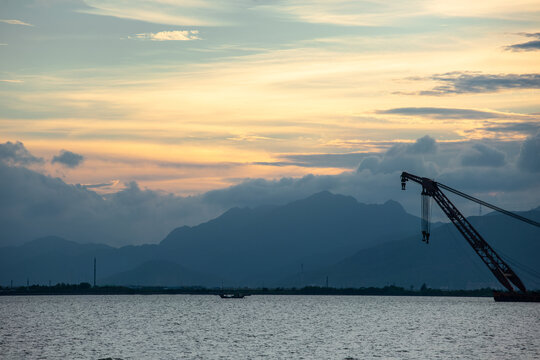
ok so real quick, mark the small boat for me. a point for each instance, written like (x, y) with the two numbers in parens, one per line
(506, 296)
(232, 296)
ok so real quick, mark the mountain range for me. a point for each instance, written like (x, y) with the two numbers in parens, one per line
(324, 236)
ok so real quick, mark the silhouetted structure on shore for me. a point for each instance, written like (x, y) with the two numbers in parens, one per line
(500, 269)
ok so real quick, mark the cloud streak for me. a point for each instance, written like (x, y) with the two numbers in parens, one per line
(344, 161)
(179, 13)
(376, 13)
(16, 22)
(445, 113)
(532, 45)
(516, 127)
(342, 12)
(472, 82)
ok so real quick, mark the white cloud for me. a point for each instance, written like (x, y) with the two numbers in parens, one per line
(179, 35)
(15, 22)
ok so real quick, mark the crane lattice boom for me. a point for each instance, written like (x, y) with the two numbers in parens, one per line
(502, 271)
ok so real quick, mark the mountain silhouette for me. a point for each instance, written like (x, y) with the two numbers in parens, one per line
(297, 244)
(256, 246)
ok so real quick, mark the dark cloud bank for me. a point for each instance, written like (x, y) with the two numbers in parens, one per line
(35, 205)
(529, 159)
(528, 124)
(529, 128)
(482, 155)
(16, 154)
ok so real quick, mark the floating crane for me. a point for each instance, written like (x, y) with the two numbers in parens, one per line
(502, 271)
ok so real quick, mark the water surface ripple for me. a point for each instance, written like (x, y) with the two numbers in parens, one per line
(266, 327)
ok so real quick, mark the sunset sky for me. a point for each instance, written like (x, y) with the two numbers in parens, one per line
(184, 97)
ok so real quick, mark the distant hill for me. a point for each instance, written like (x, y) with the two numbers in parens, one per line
(59, 260)
(447, 262)
(49, 259)
(162, 273)
(258, 246)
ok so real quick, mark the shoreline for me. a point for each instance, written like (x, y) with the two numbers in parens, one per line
(86, 289)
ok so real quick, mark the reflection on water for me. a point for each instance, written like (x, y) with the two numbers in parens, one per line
(273, 327)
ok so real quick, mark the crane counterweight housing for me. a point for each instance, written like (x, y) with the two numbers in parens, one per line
(500, 269)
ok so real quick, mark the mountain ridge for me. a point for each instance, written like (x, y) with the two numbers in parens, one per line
(307, 239)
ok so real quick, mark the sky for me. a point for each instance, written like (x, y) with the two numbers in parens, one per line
(120, 120)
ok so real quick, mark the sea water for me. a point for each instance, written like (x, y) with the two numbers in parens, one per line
(266, 327)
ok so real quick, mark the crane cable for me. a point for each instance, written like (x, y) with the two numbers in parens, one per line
(522, 267)
(533, 275)
(530, 271)
(473, 260)
(496, 208)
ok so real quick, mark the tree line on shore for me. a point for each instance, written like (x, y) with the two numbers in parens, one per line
(85, 288)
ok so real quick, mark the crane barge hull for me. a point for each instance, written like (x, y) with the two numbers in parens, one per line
(505, 296)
